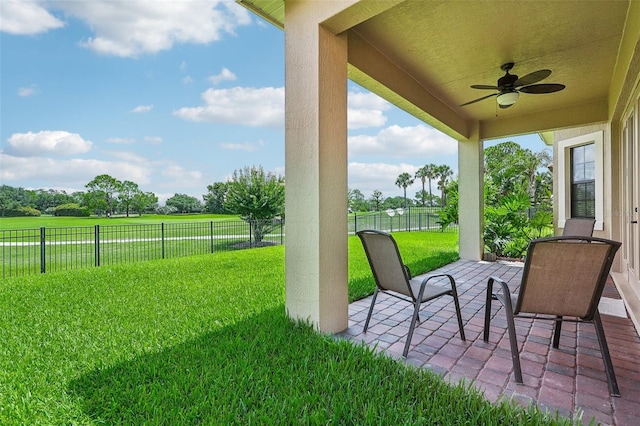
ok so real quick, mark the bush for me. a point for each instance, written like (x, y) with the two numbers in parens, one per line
(21, 212)
(71, 209)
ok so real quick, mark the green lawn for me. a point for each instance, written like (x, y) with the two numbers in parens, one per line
(205, 340)
(63, 222)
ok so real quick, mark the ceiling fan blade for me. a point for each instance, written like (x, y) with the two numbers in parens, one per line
(479, 99)
(542, 88)
(484, 86)
(532, 78)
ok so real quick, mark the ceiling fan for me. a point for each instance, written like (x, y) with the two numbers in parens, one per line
(509, 86)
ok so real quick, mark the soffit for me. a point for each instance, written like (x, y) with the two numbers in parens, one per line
(446, 46)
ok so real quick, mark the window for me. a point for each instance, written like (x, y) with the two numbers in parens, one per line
(580, 178)
(583, 181)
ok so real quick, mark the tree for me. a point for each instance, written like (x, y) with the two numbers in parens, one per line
(128, 191)
(424, 173)
(376, 199)
(214, 198)
(184, 203)
(144, 201)
(443, 174)
(258, 198)
(356, 200)
(514, 169)
(102, 193)
(8, 198)
(403, 181)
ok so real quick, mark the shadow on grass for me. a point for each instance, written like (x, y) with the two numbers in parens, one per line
(268, 369)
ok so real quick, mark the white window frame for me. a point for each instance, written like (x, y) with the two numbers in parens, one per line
(564, 176)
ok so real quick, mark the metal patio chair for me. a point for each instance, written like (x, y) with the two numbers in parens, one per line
(394, 278)
(559, 280)
(578, 227)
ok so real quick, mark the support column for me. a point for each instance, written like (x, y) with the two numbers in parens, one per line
(471, 201)
(315, 170)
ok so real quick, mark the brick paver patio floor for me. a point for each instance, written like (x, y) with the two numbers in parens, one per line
(570, 379)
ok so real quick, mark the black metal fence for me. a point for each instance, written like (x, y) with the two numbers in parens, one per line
(41, 250)
(400, 220)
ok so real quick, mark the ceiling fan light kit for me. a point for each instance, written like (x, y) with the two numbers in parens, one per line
(509, 86)
(508, 98)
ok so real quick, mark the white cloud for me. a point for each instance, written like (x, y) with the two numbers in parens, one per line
(46, 142)
(368, 177)
(24, 17)
(121, 141)
(154, 140)
(182, 178)
(245, 146)
(142, 108)
(187, 80)
(366, 110)
(265, 107)
(133, 27)
(396, 141)
(27, 91)
(74, 173)
(225, 75)
(239, 105)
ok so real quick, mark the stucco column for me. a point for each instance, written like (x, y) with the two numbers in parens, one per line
(315, 171)
(471, 198)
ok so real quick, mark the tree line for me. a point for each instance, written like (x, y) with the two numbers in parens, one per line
(441, 174)
(517, 191)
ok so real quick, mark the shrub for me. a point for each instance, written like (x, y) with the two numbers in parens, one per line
(71, 209)
(21, 212)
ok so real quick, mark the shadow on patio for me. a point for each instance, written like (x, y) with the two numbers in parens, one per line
(570, 379)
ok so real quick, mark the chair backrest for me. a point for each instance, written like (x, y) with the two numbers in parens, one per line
(385, 261)
(565, 279)
(578, 227)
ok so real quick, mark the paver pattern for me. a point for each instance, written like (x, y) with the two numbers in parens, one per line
(570, 379)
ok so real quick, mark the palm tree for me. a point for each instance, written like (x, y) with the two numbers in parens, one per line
(443, 173)
(422, 174)
(430, 171)
(403, 181)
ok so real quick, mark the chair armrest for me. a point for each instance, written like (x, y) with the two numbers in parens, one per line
(407, 271)
(451, 280)
(504, 297)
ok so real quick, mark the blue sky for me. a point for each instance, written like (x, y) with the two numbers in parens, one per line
(172, 95)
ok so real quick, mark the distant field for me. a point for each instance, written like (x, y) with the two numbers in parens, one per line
(63, 222)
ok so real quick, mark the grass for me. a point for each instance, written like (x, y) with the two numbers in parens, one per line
(205, 340)
(134, 219)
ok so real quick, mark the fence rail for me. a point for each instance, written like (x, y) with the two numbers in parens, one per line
(42, 250)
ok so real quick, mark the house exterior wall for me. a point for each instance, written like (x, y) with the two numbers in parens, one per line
(563, 140)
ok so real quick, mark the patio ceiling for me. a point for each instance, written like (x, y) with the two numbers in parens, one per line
(423, 56)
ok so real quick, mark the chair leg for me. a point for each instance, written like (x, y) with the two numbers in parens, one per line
(412, 327)
(458, 314)
(606, 357)
(373, 302)
(556, 332)
(515, 356)
(487, 310)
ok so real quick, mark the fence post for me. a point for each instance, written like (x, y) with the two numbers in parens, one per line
(43, 267)
(162, 237)
(281, 231)
(97, 240)
(211, 231)
(355, 223)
